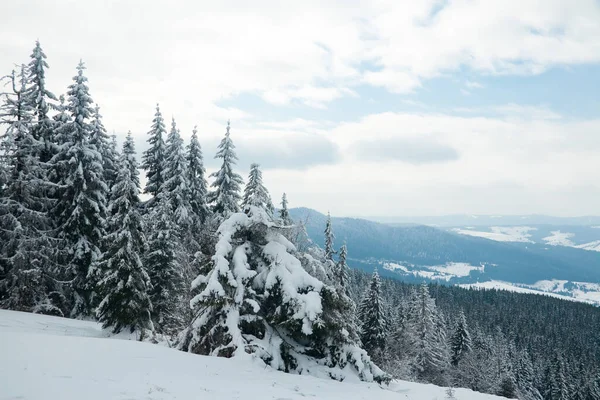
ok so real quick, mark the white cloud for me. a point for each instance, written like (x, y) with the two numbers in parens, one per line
(192, 55)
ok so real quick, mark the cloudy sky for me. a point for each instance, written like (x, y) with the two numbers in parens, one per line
(364, 108)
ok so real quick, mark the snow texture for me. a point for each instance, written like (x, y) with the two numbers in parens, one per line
(56, 358)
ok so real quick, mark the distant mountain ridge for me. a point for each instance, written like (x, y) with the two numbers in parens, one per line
(488, 220)
(417, 252)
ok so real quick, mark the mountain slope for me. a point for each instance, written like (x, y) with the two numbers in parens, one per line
(51, 358)
(423, 251)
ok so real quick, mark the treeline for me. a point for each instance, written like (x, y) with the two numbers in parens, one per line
(498, 342)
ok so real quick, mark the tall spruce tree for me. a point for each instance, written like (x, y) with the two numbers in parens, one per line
(226, 197)
(103, 143)
(341, 272)
(255, 192)
(162, 263)
(373, 320)
(329, 236)
(24, 225)
(80, 214)
(460, 342)
(427, 330)
(40, 99)
(284, 214)
(153, 160)
(125, 284)
(198, 190)
(175, 174)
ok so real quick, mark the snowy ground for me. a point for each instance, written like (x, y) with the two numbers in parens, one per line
(50, 358)
(440, 272)
(501, 233)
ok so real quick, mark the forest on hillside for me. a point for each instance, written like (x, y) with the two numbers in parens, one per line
(210, 264)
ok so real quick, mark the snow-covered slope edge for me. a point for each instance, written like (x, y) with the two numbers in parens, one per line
(584, 292)
(51, 358)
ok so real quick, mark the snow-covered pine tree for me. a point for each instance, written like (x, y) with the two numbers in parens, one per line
(24, 225)
(39, 98)
(558, 388)
(81, 210)
(460, 342)
(372, 317)
(329, 236)
(427, 331)
(103, 143)
(125, 283)
(525, 378)
(197, 180)
(284, 214)
(258, 299)
(342, 278)
(162, 262)
(226, 197)
(153, 160)
(255, 192)
(176, 186)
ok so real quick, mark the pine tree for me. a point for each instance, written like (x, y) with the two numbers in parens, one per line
(153, 160)
(255, 193)
(329, 236)
(24, 225)
(460, 342)
(427, 331)
(557, 381)
(125, 283)
(284, 214)
(39, 98)
(255, 297)
(525, 378)
(163, 266)
(175, 173)
(81, 211)
(342, 277)
(226, 196)
(103, 143)
(196, 177)
(373, 321)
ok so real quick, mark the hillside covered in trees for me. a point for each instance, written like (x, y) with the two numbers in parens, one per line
(209, 264)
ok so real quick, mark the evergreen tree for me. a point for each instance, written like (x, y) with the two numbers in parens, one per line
(176, 186)
(342, 277)
(255, 193)
(226, 196)
(373, 321)
(103, 143)
(460, 342)
(196, 178)
(39, 98)
(153, 160)
(125, 283)
(256, 298)
(428, 334)
(81, 211)
(558, 388)
(329, 236)
(24, 225)
(163, 267)
(525, 378)
(284, 214)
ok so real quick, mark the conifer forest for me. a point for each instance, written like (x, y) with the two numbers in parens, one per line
(214, 265)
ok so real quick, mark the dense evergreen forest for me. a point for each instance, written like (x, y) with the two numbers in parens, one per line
(217, 270)
(524, 345)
